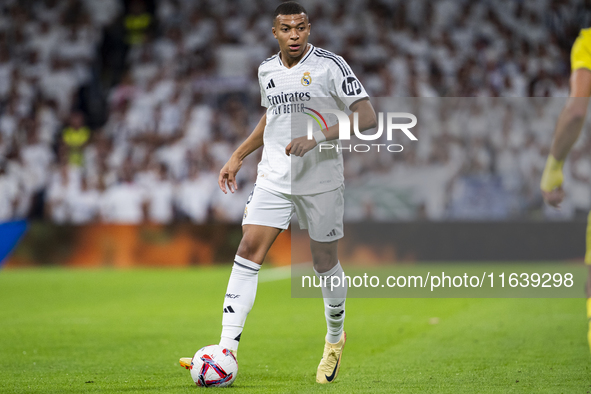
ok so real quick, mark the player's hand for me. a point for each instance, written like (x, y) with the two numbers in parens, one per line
(551, 183)
(228, 175)
(554, 197)
(300, 146)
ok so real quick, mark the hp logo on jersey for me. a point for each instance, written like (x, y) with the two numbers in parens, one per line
(351, 86)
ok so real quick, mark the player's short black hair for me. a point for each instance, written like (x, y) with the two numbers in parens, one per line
(289, 8)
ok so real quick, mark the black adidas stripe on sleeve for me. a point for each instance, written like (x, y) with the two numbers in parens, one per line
(344, 69)
(268, 59)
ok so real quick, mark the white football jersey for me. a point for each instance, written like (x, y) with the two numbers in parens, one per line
(294, 98)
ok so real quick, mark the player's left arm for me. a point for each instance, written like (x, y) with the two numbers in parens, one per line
(572, 117)
(366, 117)
(568, 129)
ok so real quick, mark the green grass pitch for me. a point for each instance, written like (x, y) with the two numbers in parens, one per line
(70, 331)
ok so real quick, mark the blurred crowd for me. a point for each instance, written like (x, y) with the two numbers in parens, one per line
(124, 111)
(475, 159)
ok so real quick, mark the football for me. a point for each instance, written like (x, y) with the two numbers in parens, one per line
(214, 366)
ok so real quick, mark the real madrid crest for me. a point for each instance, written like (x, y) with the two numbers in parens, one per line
(306, 79)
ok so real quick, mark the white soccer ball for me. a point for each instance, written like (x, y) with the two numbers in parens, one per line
(214, 366)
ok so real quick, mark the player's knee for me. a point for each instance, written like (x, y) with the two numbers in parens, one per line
(324, 260)
(324, 255)
(248, 249)
(251, 248)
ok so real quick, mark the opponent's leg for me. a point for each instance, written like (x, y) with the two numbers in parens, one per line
(588, 291)
(326, 265)
(242, 286)
(588, 284)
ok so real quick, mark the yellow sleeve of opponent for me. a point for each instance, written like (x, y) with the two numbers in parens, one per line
(580, 55)
(552, 176)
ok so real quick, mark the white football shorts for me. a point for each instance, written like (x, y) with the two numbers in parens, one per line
(321, 214)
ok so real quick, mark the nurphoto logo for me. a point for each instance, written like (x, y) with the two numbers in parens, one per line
(345, 129)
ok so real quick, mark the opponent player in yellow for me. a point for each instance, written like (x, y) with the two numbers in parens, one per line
(568, 129)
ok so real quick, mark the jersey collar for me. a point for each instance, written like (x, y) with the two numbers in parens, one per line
(302, 60)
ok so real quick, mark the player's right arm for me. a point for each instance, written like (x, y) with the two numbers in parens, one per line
(230, 169)
(568, 129)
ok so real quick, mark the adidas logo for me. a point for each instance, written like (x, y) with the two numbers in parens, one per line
(337, 314)
(271, 84)
(229, 310)
(332, 233)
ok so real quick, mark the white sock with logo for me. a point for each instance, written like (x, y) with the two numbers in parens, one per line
(334, 303)
(239, 299)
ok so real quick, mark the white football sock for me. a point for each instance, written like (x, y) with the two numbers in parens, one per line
(334, 303)
(239, 299)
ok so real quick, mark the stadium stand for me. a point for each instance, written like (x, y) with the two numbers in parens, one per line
(167, 90)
